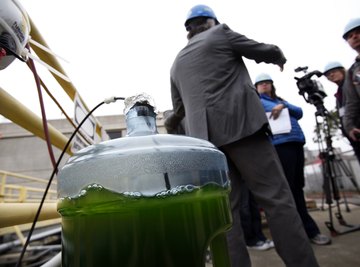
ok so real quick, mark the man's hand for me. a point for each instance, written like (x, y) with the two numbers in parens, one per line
(171, 123)
(355, 134)
(2, 53)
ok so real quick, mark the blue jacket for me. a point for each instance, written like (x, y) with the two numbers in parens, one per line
(296, 134)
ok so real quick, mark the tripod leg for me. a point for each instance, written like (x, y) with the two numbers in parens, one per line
(332, 177)
(326, 184)
(330, 186)
(338, 181)
(335, 188)
(330, 224)
(346, 202)
(327, 192)
(323, 200)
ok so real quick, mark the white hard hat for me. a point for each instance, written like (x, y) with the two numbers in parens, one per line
(332, 65)
(263, 77)
(351, 25)
(14, 31)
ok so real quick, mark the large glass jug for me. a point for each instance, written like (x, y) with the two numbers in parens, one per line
(147, 199)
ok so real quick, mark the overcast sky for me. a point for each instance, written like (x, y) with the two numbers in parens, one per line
(120, 48)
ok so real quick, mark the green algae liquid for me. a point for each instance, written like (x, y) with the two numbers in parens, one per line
(171, 229)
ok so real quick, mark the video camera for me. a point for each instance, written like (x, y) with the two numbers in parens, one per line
(311, 89)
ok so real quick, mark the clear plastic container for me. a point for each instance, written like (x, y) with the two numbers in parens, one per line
(145, 200)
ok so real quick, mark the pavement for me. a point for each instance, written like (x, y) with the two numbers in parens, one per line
(344, 251)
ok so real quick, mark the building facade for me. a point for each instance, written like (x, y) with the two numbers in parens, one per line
(24, 153)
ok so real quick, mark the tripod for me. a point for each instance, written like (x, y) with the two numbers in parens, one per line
(332, 165)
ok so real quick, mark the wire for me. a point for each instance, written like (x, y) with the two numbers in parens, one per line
(31, 64)
(40, 81)
(62, 110)
(107, 101)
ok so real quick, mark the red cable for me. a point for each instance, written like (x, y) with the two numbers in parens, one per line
(31, 64)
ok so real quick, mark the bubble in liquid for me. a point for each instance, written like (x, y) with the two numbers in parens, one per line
(181, 189)
(132, 194)
(95, 186)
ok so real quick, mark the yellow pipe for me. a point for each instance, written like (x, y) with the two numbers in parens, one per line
(53, 62)
(20, 213)
(2, 187)
(19, 234)
(19, 114)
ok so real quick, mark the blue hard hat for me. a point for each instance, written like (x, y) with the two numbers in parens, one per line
(352, 24)
(263, 77)
(332, 65)
(200, 11)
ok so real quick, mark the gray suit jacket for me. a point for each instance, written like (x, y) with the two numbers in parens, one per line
(351, 91)
(211, 85)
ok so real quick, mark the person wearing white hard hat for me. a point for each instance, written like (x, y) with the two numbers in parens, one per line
(335, 72)
(289, 146)
(352, 86)
(212, 89)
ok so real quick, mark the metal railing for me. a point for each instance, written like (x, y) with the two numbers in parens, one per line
(19, 188)
(20, 197)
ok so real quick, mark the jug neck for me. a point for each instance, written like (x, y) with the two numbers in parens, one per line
(141, 120)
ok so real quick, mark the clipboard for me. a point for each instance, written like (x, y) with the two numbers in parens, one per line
(282, 124)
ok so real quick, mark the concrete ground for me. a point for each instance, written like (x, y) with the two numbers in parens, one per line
(344, 250)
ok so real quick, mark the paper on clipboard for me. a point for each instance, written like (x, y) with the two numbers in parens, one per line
(282, 124)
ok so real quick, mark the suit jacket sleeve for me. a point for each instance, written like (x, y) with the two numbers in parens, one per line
(352, 95)
(260, 52)
(178, 105)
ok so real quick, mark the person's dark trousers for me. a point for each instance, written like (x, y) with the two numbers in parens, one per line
(255, 159)
(292, 159)
(355, 145)
(250, 217)
(356, 148)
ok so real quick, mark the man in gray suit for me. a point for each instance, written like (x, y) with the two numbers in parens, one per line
(212, 87)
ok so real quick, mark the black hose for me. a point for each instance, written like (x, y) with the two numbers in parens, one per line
(52, 176)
